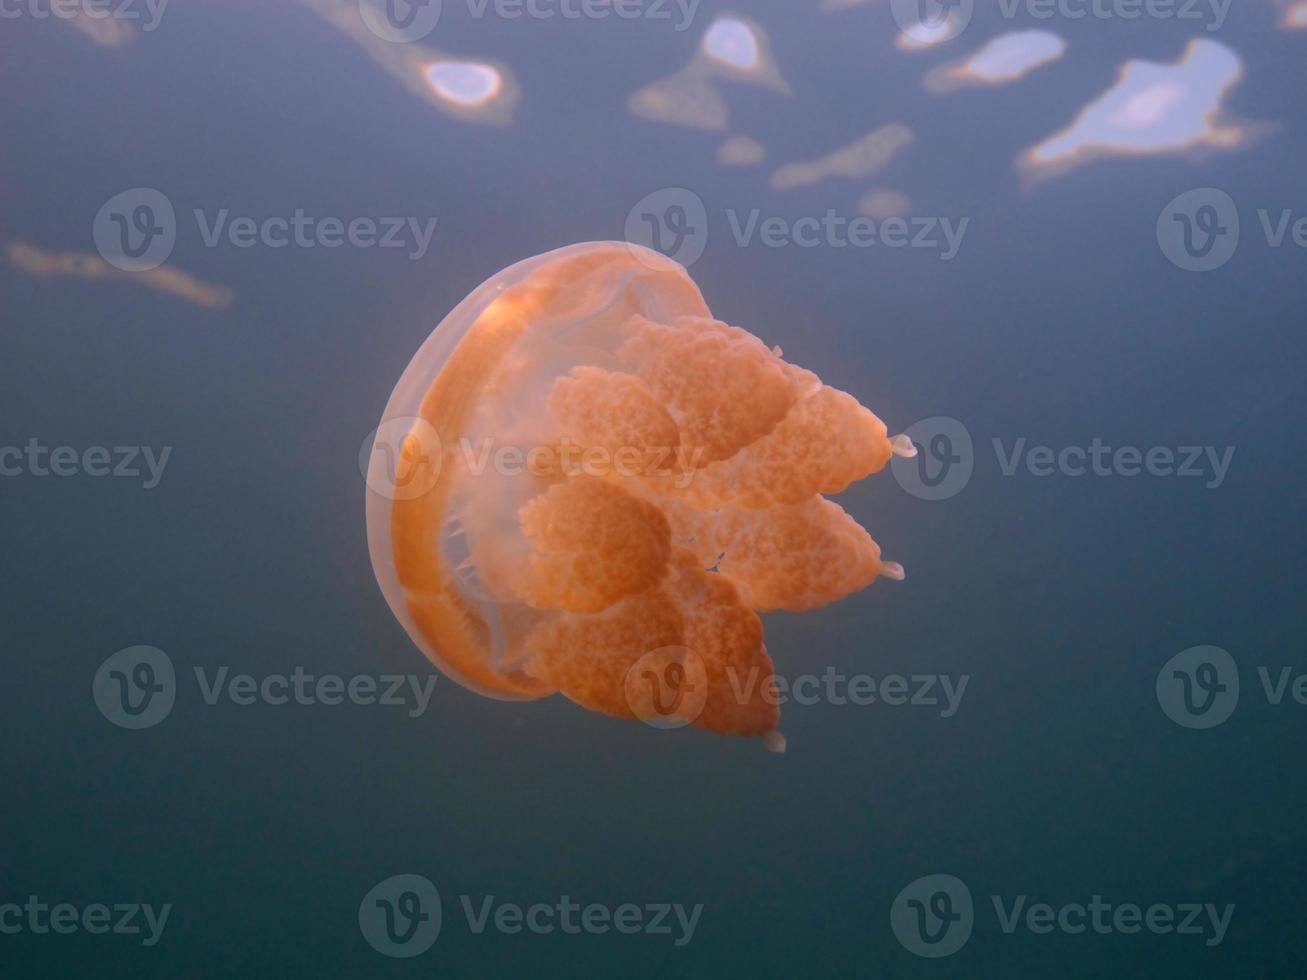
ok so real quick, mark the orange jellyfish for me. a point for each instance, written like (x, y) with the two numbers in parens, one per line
(584, 484)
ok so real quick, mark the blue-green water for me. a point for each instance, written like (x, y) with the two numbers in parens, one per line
(1060, 598)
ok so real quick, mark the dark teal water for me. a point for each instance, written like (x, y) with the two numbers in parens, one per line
(1061, 598)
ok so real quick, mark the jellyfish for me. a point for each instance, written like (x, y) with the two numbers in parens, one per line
(585, 484)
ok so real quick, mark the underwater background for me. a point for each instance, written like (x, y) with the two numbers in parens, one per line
(1064, 769)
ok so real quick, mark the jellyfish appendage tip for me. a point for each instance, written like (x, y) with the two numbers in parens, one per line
(892, 569)
(774, 741)
(903, 446)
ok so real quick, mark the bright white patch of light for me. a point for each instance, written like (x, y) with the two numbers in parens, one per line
(731, 42)
(1010, 56)
(465, 83)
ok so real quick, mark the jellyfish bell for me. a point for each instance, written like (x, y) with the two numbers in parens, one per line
(580, 466)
